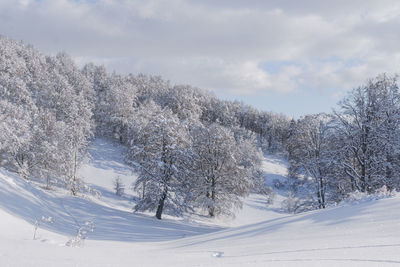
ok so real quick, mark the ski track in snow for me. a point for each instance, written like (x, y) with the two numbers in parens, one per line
(365, 234)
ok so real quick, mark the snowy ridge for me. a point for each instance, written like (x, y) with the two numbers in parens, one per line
(362, 234)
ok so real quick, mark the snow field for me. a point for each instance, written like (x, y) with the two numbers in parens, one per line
(363, 234)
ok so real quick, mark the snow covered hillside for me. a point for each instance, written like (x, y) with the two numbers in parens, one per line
(364, 234)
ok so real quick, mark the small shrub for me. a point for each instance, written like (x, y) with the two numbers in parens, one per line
(119, 187)
(81, 235)
(293, 204)
(39, 222)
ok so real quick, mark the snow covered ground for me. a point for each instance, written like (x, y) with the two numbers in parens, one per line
(363, 234)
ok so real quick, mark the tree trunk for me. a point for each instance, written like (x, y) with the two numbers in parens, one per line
(211, 209)
(143, 189)
(322, 192)
(74, 188)
(161, 205)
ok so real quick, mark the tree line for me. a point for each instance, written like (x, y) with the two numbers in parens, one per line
(356, 148)
(190, 149)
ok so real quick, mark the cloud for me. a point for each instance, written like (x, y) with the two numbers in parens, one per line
(220, 45)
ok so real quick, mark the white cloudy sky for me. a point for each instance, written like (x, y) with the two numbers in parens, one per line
(294, 57)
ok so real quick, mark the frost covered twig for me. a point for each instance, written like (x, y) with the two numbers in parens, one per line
(81, 235)
(38, 223)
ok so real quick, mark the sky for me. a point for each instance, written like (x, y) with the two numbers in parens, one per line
(292, 57)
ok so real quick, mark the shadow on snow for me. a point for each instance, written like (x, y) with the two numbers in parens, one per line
(29, 202)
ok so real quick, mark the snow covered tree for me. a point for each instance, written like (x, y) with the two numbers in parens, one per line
(157, 152)
(184, 101)
(221, 174)
(77, 117)
(369, 121)
(150, 88)
(115, 101)
(47, 114)
(119, 187)
(311, 152)
(250, 159)
(44, 158)
(15, 125)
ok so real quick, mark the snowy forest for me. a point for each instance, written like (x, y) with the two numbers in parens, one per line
(191, 150)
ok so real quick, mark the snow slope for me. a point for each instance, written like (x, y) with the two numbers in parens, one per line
(362, 234)
(112, 215)
(365, 234)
